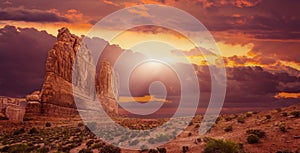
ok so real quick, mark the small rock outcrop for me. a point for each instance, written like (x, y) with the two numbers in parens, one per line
(12, 108)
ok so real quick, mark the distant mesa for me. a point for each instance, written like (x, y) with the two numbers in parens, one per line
(56, 97)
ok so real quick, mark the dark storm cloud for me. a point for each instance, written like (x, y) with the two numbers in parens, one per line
(23, 53)
(31, 15)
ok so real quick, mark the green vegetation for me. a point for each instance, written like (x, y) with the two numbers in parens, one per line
(222, 146)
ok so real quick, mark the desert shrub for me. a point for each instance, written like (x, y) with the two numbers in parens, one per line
(252, 138)
(285, 114)
(85, 151)
(228, 118)
(198, 140)
(284, 151)
(162, 150)
(268, 117)
(296, 114)
(43, 150)
(143, 148)
(228, 128)
(33, 131)
(223, 146)
(134, 142)
(190, 134)
(80, 124)
(89, 143)
(241, 119)
(197, 125)
(152, 151)
(282, 128)
(185, 149)
(249, 114)
(19, 131)
(97, 145)
(48, 124)
(278, 109)
(110, 149)
(19, 148)
(256, 132)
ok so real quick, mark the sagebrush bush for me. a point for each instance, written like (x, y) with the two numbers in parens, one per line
(268, 116)
(241, 119)
(252, 138)
(256, 132)
(223, 146)
(48, 124)
(296, 114)
(228, 128)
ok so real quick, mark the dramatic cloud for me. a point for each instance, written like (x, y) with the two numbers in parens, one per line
(23, 53)
(31, 15)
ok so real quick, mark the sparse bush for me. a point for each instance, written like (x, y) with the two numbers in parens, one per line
(162, 150)
(249, 114)
(190, 134)
(197, 125)
(110, 149)
(241, 119)
(296, 114)
(282, 128)
(228, 128)
(43, 150)
(80, 124)
(152, 151)
(256, 132)
(222, 146)
(33, 131)
(97, 145)
(252, 138)
(198, 140)
(185, 149)
(285, 151)
(85, 151)
(285, 114)
(268, 117)
(19, 131)
(278, 109)
(48, 124)
(89, 143)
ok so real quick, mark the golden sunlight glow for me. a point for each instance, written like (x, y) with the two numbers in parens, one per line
(146, 98)
(287, 95)
(228, 50)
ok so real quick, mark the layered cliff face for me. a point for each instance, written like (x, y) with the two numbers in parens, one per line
(57, 93)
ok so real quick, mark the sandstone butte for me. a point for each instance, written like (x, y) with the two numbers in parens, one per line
(56, 98)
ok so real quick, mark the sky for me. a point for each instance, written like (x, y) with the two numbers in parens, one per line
(259, 42)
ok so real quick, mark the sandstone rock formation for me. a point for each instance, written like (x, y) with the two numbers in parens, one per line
(69, 62)
(34, 106)
(108, 83)
(12, 108)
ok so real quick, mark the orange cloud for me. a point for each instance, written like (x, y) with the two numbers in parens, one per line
(146, 98)
(287, 95)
